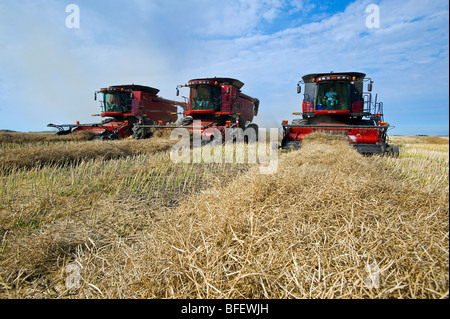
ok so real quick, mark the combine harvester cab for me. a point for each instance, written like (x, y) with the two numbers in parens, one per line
(219, 104)
(125, 108)
(336, 103)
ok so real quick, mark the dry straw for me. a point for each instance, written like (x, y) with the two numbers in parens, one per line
(66, 153)
(309, 231)
(10, 138)
(329, 223)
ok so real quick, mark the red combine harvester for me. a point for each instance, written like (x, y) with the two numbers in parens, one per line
(335, 102)
(125, 108)
(218, 103)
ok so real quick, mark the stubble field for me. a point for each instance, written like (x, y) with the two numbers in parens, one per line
(119, 219)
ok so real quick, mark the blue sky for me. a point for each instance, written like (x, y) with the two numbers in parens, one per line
(48, 72)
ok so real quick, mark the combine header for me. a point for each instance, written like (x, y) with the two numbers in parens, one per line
(126, 107)
(335, 102)
(219, 104)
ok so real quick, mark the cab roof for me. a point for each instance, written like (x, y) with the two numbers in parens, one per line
(223, 81)
(136, 87)
(359, 76)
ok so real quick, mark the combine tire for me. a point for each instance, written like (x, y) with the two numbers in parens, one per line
(394, 151)
(254, 127)
(139, 132)
(96, 138)
(105, 137)
(64, 132)
(113, 136)
(290, 145)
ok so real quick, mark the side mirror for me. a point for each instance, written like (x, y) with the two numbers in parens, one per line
(369, 87)
(95, 96)
(299, 89)
(178, 92)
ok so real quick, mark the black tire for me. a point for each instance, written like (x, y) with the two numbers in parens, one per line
(114, 136)
(232, 131)
(96, 138)
(106, 136)
(64, 132)
(394, 151)
(254, 127)
(290, 145)
(139, 132)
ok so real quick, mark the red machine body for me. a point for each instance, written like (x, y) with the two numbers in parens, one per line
(125, 107)
(335, 102)
(219, 103)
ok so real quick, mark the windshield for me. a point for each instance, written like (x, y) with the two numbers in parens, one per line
(310, 92)
(205, 97)
(116, 102)
(333, 95)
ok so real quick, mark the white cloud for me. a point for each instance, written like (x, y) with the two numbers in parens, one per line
(402, 56)
(165, 43)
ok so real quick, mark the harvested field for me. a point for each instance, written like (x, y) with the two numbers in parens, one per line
(17, 139)
(66, 153)
(329, 223)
